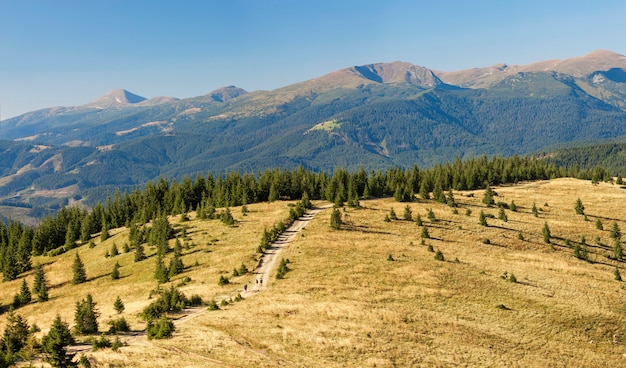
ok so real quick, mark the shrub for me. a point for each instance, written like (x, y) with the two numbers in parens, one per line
(195, 300)
(223, 281)
(162, 329)
(213, 306)
(118, 325)
(439, 255)
(100, 343)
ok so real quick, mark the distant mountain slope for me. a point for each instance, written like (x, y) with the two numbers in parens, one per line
(375, 116)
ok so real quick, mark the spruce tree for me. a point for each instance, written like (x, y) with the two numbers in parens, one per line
(617, 274)
(139, 253)
(161, 273)
(78, 269)
(40, 285)
(114, 251)
(335, 219)
(115, 273)
(546, 233)
(617, 250)
(616, 233)
(86, 316)
(425, 234)
(118, 305)
(54, 344)
(70, 240)
(408, 214)
(502, 215)
(534, 210)
(488, 196)
(599, 225)
(579, 208)
(15, 336)
(482, 219)
(418, 220)
(451, 201)
(392, 214)
(431, 215)
(104, 233)
(24, 296)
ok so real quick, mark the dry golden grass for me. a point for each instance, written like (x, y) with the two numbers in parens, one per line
(343, 304)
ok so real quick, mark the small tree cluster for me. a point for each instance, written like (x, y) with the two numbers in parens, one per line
(86, 316)
(282, 268)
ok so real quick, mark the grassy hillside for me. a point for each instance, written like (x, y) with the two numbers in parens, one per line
(345, 303)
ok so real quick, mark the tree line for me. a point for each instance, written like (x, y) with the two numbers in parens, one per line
(72, 226)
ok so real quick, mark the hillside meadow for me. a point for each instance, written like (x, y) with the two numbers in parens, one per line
(372, 294)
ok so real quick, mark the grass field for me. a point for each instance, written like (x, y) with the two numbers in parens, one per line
(344, 303)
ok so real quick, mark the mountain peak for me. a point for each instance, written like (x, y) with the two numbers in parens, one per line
(116, 98)
(224, 94)
(397, 72)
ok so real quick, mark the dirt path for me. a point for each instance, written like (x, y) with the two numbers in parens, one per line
(263, 271)
(270, 257)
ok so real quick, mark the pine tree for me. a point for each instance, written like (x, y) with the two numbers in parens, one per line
(546, 233)
(86, 316)
(392, 214)
(599, 225)
(579, 208)
(161, 273)
(115, 273)
(616, 233)
(534, 210)
(54, 344)
(451, 201)
(114, 251)
(16, 334)
(425, 234)
(482, 219)
(617, 274)
(40, 286)
(335, 219)
(24, 296)
(104, 233)
(617, 250)
(424, 190)
(139, 253)
(502, 215)
(418, 220)
(513, 206)
(118, 305)
(408, 214)
(78, 268)
(431, 215)
(488, 196)
(70, 240)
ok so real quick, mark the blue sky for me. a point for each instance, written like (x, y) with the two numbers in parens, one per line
(69, 52)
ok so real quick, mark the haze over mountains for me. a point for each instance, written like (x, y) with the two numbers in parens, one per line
(378, 115)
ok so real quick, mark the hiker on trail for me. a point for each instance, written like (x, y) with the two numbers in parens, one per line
(261, 281)
(245, 288)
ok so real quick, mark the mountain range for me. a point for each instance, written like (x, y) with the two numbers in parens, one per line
(376, 116)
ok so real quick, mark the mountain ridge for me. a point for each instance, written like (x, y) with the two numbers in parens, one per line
(376, 116)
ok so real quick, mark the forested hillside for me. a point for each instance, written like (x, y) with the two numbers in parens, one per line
(59, 233)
